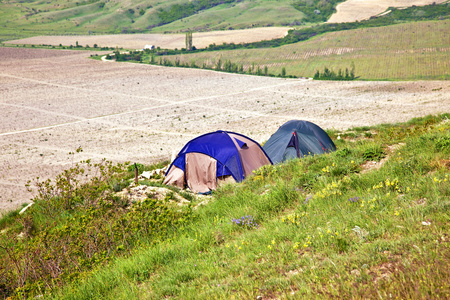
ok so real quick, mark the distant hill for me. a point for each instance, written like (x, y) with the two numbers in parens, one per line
(27, 18)
(24, 18)
(111, 16)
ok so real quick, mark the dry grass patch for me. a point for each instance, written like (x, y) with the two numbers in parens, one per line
(165, 41)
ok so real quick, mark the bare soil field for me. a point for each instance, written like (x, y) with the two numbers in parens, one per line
(166, 41)
(53, 102)
(357, 10)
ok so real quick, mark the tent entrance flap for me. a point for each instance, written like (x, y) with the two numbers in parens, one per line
(290, 153)
(175, 177)
(250, 154)
(294, 143)
(201, 170)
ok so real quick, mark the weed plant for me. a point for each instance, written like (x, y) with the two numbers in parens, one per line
(327, 227)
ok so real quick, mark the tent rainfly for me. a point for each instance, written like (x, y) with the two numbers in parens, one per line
(215, 156)
(297, 138)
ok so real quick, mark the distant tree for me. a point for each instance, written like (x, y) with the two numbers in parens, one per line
(317, 75)
(219, 65)
(227, 66)
(189, 40)
(329, 74)
(326, 73)
(283, 72)
(352, 70)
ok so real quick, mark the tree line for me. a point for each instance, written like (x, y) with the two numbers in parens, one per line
(221, 65)
(329, 74)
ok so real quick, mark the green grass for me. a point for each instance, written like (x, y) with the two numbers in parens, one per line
(410, 51)
(20, 19)
(239, 16)
(328, 226)
(325, 230)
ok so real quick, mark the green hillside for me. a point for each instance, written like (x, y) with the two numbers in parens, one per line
(406, 44)
(20, 18)
(410, 51)
(370, 220)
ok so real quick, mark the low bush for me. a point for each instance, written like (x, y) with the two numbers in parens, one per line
(76, 224)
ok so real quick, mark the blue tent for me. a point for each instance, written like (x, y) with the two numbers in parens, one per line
(213, 156)
(297, 138)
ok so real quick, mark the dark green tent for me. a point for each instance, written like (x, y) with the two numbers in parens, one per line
(297, 138)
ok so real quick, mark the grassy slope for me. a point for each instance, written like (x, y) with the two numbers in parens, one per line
(410, 51)
(20, 19)
(238, 16)
(326, 229)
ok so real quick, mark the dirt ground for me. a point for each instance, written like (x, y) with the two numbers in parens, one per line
(357, 10)
(53, 102)
(166, 41)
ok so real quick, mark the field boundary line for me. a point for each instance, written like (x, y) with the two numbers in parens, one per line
(43, 111)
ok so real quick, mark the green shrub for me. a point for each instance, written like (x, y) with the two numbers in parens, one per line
(442, 144)
(374, 153)
(77, 224)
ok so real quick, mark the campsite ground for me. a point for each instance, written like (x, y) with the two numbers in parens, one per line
(54, 102)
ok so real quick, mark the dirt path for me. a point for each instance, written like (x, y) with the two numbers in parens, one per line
(357, 10)
(53, 102)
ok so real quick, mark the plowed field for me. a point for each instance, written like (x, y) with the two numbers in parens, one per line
(166, 41)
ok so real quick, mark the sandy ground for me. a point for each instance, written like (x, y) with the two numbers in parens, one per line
(166, 41)
(52, 102)
(357, 10)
